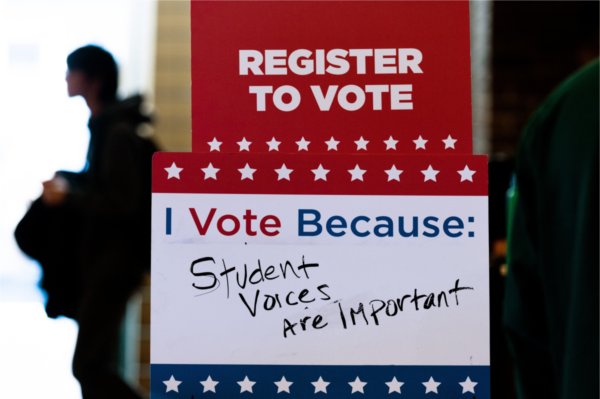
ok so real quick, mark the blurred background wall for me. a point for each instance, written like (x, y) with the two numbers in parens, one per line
(535, 44)
(172, 84)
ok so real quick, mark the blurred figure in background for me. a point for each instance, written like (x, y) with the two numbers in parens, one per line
(111, 200)
(551, 303)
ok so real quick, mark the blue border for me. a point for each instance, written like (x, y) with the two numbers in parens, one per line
(338, 377)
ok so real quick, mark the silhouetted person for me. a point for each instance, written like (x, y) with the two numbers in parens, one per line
(112, 197)
(551, 302)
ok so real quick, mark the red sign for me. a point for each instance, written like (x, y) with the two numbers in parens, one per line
(331, 77)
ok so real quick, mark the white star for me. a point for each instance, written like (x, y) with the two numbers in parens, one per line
(209, 385)
(283, 173)
(361, 144)
(466, 174)
(283, 385)
(273, 144)
(320, 385)
(449, 142)
(172, 384)
(173, 171)
(357, 385)
(390, 144)
(393, 173)
(244, 144)
(431, 385)
(332, 144)
(320, 173)
(468, 385)
(210, 172)
(302, 144)
(430, 174)
(420, 143)
(215, 145)
(357, 173)
(246, 385)
(247, 172)
(394, 385)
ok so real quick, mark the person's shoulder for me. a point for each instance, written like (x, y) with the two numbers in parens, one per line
(576, 93)
(127, 117)
(584, 80)
(574, 98)
(131, 110)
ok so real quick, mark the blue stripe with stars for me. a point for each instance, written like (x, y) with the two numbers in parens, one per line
(273, 381)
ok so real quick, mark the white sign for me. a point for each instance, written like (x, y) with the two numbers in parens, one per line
(307, 285)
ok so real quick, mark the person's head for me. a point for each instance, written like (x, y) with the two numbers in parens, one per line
(92, 71)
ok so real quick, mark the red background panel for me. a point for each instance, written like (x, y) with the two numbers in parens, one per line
(191, 178)
(223, 108)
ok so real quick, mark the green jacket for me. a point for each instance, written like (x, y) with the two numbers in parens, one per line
(551, 301)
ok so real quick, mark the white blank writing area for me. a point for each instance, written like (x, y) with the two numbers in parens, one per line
(42, 130)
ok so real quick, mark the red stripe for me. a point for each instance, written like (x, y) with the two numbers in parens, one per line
(302, 179)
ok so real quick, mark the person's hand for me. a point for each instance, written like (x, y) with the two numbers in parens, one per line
(55, 190)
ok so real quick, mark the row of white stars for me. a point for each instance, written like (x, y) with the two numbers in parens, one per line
(320, 173)
(283, 385)
(332, 144)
